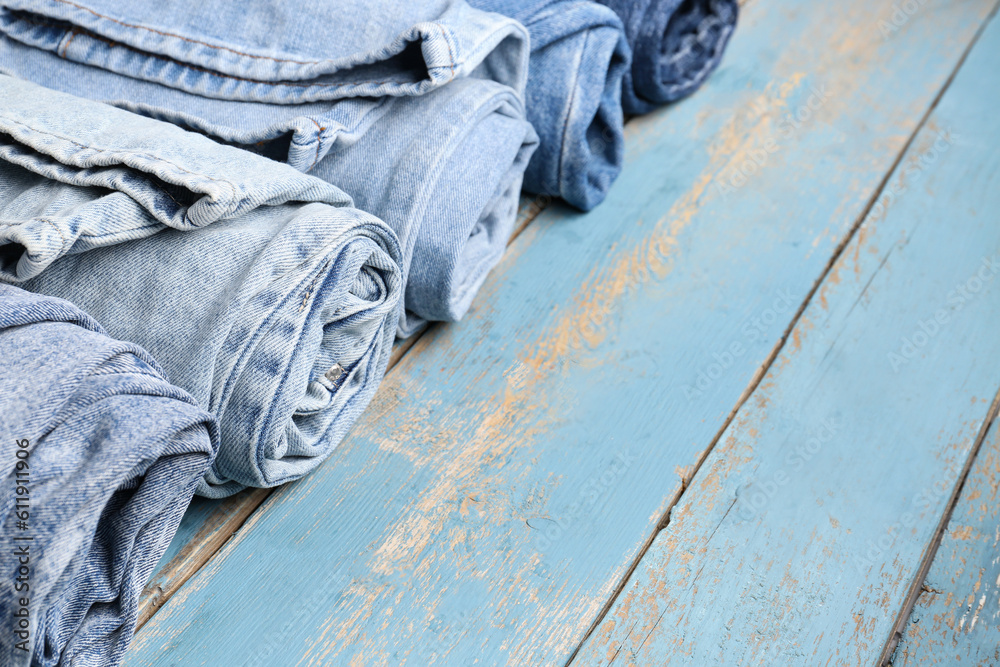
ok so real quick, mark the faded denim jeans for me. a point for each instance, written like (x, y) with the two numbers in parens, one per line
(675, 44)
(579, 57)
(329, 91)
(260, 290)
(99, 457)
(450, 190)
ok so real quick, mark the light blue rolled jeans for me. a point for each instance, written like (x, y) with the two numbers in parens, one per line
(99, 457)
(260, 290)
(278, 51)
(440, 164)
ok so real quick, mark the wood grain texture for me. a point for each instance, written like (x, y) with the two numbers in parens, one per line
(799, 539)
(512, 467)
(206, 526)
(956, 619)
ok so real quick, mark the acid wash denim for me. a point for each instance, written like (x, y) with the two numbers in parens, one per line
(675, 44)
(99, 457)
(451, 232)
(579, 57)
(259, 289)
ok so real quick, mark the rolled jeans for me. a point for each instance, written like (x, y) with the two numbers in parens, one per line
(579, 57)
(675, 44)
(99, 457)
(447, 252)
(260, 290)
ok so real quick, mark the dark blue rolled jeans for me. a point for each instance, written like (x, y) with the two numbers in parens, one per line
(99, 457)
(675, 44)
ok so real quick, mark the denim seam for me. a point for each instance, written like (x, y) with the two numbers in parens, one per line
(569, 114)
(260, 454)
(312, 286)
(72, 35)
(112, 152)
(65, 241)
(319, 142)
(96, 237)
(216, 407)
(204, 70)
(709, 64)
(169, 196)
(59, 232)
(451, 54)
(482, 45)
(77, 30)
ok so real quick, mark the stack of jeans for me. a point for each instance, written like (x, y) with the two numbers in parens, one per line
(397, 103)
(264, 195)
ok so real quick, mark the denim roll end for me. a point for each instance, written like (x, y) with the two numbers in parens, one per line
(579, 57)
(676, 44)
(448, 189)
(309, 351)
(99, 457)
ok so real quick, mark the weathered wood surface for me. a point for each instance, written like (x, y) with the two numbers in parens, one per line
(512, 467)
(798, 541)
(956, 620)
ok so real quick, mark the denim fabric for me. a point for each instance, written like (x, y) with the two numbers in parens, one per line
(453, 157)
(278, 51)
(579, 57)
(78, 175)
(448, 188)
(276, 314)
(107, 454)
(302, 134)
(675, 44)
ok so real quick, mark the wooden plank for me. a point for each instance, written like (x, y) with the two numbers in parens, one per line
(512, 467)
(800, 538)
(956, 619)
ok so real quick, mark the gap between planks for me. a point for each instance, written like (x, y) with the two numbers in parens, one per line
(907, 607)
(931, 550)
(233, 512)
